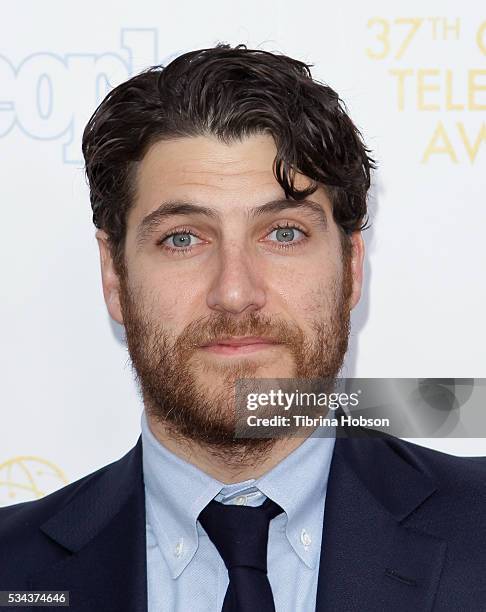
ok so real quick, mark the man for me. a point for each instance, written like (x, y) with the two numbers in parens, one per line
(229, 192)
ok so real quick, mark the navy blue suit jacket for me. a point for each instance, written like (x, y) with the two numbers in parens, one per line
(404, 531)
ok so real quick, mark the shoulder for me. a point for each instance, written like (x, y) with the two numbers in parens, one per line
(457, 508)
(456, 514)
(446, 469)
(72, 514)
(451, 487)
(20, 520)
(23, 546)
(106, 481)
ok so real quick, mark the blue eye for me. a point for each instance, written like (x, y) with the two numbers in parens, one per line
(181, 241)
(285, 235)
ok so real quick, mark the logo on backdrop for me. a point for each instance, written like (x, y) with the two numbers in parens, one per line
(451, 95)
(27, 478)
(47, 96)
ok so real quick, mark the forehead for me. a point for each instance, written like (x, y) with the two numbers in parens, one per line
(203, 169)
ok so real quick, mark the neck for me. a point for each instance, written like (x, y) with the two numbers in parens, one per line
(221, 466)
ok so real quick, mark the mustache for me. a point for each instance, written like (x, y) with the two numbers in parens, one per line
(208, 329)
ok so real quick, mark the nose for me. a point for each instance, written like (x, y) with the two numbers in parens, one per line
(237, 286)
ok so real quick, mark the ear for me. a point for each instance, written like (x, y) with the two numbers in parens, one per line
(357, 260)
(109, 278)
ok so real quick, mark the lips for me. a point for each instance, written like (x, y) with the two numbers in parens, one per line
(244, 341)
(239, 346)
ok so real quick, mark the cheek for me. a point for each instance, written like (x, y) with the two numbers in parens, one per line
(155, 302)
(312, 276)
(312, 294)
(174, 303)
(314, 303)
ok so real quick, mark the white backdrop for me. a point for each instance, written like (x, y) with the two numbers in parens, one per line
(414, 80)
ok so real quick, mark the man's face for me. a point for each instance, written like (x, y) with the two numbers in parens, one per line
(193, 277)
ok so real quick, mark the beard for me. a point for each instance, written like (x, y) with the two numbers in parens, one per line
(172, 380)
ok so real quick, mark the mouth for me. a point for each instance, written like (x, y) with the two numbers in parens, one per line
(239, 346)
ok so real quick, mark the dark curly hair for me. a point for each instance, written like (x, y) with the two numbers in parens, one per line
(228, 92)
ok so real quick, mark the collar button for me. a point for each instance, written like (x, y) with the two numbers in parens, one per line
(305, 538)
(179, 548)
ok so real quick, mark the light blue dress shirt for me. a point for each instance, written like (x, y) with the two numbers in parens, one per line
(185, 571)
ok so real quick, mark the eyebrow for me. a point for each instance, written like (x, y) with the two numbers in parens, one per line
(179, 208)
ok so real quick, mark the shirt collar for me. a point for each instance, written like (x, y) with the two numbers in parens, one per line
(177, 491)
(298, 484)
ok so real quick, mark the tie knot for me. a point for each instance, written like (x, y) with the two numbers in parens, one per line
(240, 533)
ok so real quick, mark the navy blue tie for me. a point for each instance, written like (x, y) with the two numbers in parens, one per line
(240, 534)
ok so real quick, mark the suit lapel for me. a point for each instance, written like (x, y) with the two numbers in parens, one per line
(102, 530)
(370, 559)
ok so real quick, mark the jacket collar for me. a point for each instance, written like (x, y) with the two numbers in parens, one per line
(370, 559)
(103, 529)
